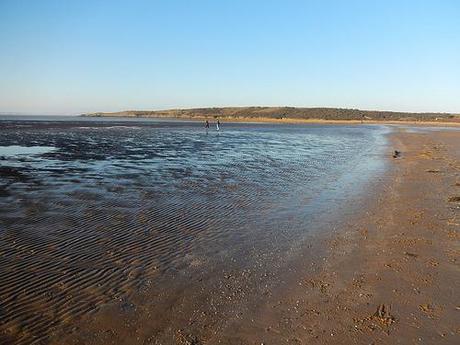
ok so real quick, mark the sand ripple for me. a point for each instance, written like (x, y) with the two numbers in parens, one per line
(113, 208)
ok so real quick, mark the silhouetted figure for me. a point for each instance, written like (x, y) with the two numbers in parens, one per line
(217, 125)
(207, 124)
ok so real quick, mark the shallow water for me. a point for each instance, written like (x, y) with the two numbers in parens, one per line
(118, 203)
(16, 150)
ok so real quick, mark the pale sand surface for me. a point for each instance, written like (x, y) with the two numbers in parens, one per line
(389, 275)
(442, 123)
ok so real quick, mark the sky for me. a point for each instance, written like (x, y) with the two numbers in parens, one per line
(72, 57)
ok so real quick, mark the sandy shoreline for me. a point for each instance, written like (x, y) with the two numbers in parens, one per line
(391, 275)
(368, 261)
(290, 120)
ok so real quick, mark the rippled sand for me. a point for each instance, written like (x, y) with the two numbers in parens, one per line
(118, 207)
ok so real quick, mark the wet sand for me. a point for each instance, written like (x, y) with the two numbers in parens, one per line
(235, 119)
(385, 272)
(109, 211)
(393, 275)
(389, 275)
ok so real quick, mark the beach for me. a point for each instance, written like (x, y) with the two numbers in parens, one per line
(160, 233)
(229, 173)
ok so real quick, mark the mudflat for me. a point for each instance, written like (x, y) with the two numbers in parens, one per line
(391, 274)
(288, 241)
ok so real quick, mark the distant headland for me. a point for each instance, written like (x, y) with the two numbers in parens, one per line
(284, 114)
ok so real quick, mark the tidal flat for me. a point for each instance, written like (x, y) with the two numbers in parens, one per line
(162, 232)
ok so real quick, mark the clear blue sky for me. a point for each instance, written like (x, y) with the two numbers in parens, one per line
(80, 56)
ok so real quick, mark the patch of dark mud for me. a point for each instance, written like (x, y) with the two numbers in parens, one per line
(13, 174)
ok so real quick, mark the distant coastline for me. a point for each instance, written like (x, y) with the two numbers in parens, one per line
(286, 114)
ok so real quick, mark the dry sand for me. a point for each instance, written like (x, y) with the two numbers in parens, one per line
(442, 123)
(390, 276)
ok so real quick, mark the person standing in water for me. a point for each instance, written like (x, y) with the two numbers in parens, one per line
(217, 124)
